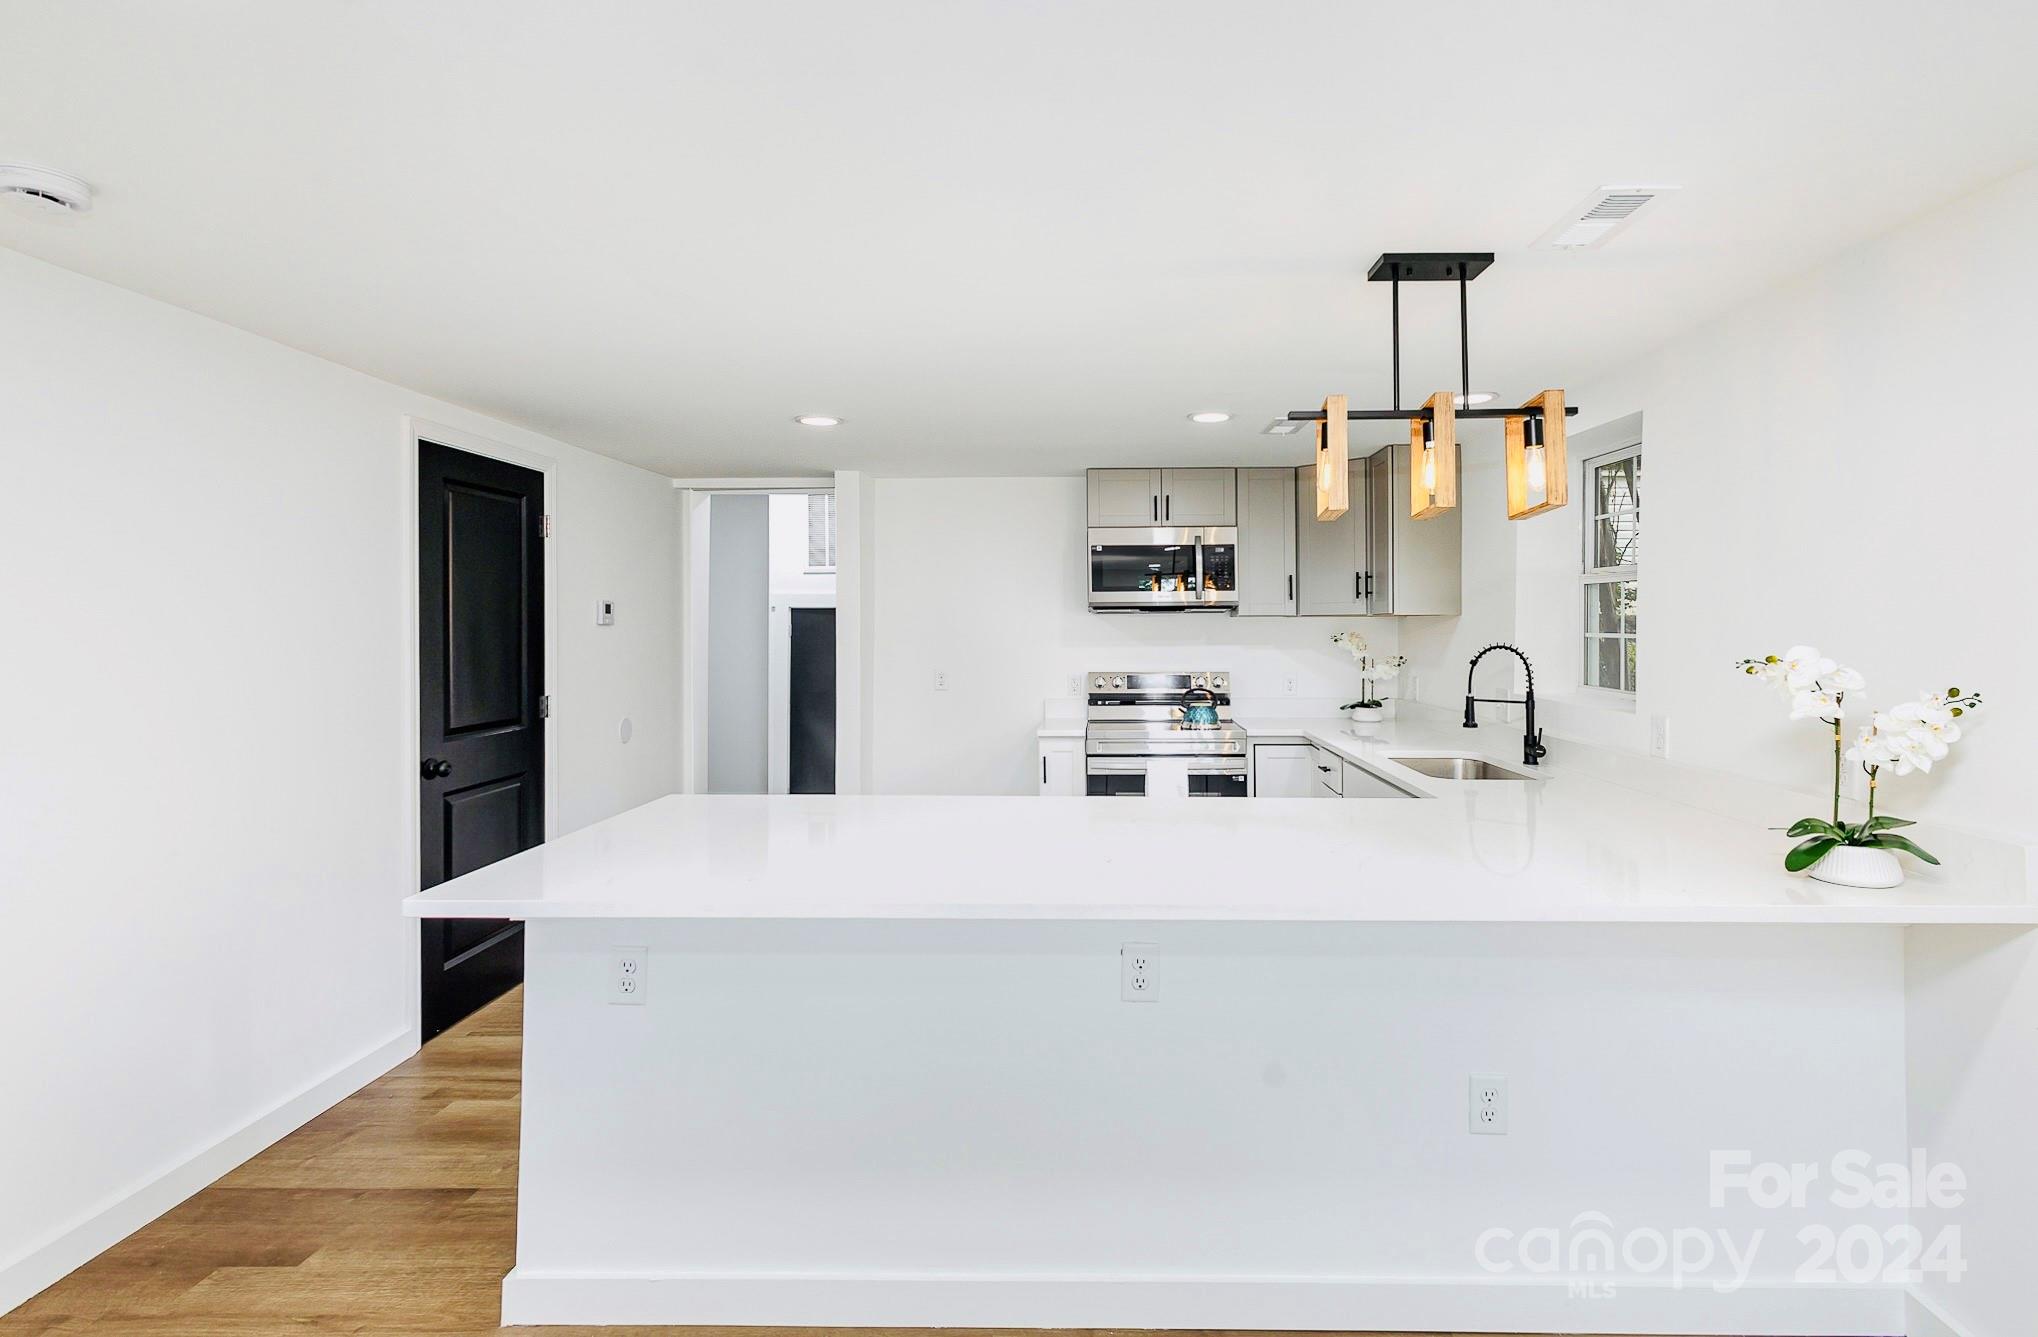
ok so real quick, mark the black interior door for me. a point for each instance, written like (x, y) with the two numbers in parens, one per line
(811, 768)
(481, 667)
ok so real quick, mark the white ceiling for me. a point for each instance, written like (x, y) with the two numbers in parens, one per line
(995, 237)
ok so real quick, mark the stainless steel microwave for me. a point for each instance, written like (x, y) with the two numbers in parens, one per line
(1193, 570)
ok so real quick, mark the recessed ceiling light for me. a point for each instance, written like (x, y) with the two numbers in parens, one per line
(1475, 399)
(1211, 416)
(817, 420)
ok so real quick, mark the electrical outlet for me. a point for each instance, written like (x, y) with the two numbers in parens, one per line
(1487, 1106)
(1288, 685)
(1659, 735)
(628, 976)
(1136, 980)
(940, 680)
(1412, 686)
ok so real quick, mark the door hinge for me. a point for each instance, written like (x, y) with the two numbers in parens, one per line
(545, 707)
(544, 526)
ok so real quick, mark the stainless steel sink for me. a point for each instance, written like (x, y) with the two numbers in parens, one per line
(1458, 767)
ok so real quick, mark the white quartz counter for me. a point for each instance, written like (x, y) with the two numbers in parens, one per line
(1571, 846)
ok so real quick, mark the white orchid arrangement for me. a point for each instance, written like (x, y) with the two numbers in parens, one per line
(1905, 738)
(1372, 668)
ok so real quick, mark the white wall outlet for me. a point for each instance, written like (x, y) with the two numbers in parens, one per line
(940, 680)
(1659, 735)
(1136, 975)
(605, 613)
(1487, 1106)
(1288, 685)
(1411, 687)
(628, 975)
(1076, 683)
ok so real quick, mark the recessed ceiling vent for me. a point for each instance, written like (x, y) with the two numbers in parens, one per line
(1282, 427)
(40, 193)
(1599, 217)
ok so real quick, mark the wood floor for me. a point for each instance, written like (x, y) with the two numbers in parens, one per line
(393, 1212)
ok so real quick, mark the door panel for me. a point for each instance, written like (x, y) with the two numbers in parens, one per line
(811, 765)
(1266, 542)
(1121, 498)
(481, 798)
(1199, 496)
(1330, 555)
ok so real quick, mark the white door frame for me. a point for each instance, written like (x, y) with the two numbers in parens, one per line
(695, 497)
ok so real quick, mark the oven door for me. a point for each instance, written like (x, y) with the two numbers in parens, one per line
(1134, 570)
(1125, 777)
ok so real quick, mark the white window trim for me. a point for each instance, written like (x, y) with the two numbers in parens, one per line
(832, 536)
(1590, 575)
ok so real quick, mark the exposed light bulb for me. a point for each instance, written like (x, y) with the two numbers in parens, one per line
(1538, 470)
(1429, 466)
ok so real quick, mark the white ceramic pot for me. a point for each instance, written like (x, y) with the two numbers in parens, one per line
(1859, 866)
(1367, 714)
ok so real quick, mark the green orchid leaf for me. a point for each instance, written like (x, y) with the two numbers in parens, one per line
(1812, 826)
(1887, 823)
(1808, 853)
(1889, 842)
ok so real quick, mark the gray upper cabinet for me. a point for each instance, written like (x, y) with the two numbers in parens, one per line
(1331, 555)
(1199, 496)
(1266, 542)
(1417, 565)
(1128, 498)
(1124, 498)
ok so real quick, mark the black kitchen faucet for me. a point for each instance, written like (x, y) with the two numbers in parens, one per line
(1532, 748)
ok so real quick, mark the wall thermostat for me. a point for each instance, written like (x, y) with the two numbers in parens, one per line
(605, 613)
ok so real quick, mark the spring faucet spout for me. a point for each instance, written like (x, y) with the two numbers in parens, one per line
(1532, 749)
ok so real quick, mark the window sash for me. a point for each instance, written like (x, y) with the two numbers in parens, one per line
(820, 531)
(1610, 626)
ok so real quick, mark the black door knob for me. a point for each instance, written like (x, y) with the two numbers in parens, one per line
(437, 768)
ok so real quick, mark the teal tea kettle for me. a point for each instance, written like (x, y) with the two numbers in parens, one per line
(1199, 714)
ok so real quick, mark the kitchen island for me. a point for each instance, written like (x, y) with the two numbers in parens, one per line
(855, 1061)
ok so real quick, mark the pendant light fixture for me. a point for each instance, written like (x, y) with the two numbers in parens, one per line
(1538, 477)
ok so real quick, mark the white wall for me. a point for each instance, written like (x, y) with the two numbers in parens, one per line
(208, 794)
(984, 579)
(1822, 466)
(739, 613)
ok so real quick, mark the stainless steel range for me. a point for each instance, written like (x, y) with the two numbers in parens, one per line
(1135, 717)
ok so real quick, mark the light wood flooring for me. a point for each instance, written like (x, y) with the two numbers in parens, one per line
(393, 1212)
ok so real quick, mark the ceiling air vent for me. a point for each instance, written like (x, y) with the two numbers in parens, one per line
(1282, 427)
(41, 193)
(1602, 214)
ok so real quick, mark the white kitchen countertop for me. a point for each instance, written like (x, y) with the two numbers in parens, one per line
(1568, 847)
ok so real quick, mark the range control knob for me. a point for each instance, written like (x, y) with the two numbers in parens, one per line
(1217, 681)
(1099, 682)
(1118, 682)
(1198, 681)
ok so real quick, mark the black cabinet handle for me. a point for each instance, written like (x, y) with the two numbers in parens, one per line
(1168, 511)
(1043, 770)
(1156, 509)
(1358, 585)
(437, 768)
(1324, 769)
(1291, 587)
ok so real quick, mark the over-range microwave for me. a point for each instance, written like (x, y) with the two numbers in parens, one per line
(1192, 570)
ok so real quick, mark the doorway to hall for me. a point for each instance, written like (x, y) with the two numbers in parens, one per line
(765, 579)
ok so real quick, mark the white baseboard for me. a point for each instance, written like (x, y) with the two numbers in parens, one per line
(105, 1226)
(1461, 1304)
(1923, 1318)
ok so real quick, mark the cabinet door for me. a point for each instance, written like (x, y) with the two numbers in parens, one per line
(1125, 498)
(1330, 556)
(1060, 768)
(1199, 496)
(1362, 783)
(1424, 559)
(1266, 542)
(1285, 770)
(1380, 499)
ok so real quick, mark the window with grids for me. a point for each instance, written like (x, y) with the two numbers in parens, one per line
(1613, 544)
(820, 531)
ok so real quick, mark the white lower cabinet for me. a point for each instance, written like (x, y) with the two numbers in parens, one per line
(1061, 767)
(1330, 771)
(1285, 770)
(1362, 783)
